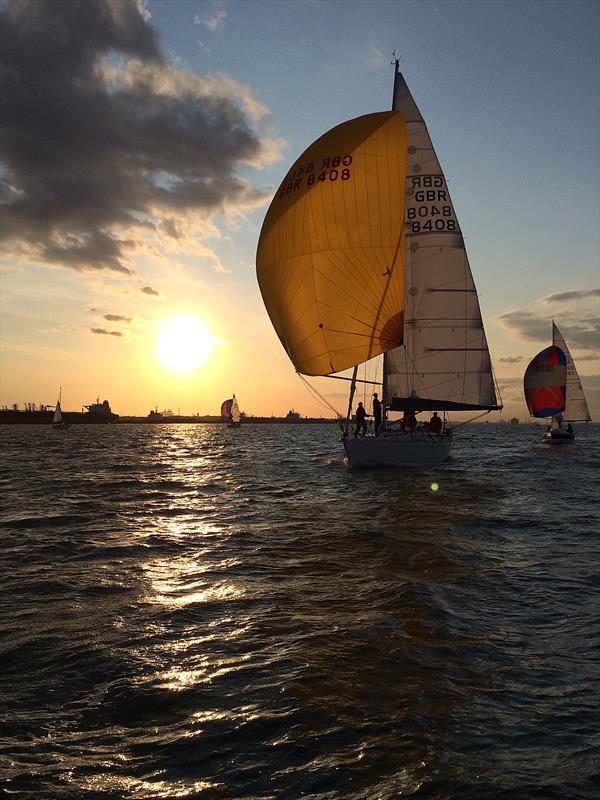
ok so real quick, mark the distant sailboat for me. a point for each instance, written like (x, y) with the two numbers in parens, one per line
(230, 413)
(553, 389)
(58, 422)
(361, 254)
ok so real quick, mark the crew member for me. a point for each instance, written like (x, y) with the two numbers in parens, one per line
(376, 412)
(435, 423)
(408, 421)
(361, 420)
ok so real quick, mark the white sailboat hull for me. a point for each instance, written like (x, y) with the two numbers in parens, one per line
(397, 450)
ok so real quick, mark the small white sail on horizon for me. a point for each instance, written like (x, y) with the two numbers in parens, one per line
(235, 412)
(57, 414)
(57, 420)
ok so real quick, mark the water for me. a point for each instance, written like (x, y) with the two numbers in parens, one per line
(194, 611)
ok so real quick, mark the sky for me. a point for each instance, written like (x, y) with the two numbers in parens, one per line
(142, 143)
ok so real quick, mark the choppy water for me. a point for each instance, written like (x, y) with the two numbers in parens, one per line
(200, 612)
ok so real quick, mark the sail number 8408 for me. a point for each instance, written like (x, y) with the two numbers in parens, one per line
(444, 221)
(331, 168)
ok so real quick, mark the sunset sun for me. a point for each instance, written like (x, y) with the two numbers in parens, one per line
(184, 344)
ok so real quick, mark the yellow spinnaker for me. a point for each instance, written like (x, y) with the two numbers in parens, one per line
(330, 260)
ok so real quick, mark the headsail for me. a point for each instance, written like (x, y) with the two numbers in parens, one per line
(576, 407)
(235, 410)
(58, 417)
(544, 382)
(445, 361)
(330, 259)
(57, 413)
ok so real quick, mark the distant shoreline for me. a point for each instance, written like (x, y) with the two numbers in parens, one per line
(12, 417)
(218, 421)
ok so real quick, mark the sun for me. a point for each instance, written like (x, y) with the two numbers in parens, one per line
(184, 344)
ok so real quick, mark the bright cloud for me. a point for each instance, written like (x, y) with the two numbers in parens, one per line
(213, 22)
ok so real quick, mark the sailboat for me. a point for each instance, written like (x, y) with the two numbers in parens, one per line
(361, 255)
(230, 413)
(58, 422)
(553, 389)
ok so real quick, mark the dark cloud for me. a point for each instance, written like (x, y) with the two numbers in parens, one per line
(526, 325)
(104, 332)
(511, 359)
(116, 318)
(149, 290)
(583, 334)
(101, 137)
(565, 297)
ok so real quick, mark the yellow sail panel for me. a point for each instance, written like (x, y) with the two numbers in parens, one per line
(330, 258)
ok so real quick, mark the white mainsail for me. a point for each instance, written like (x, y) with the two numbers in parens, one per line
(57, 413)
(444, 362)
(576, 407)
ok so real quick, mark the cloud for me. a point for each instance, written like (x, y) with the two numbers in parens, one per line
(104, 332)
(575, 294)
(376, 59)
(213, 22)
(116, 318)
(105, 148)
(149, 290)
(526, 325)
(511, 359)
(583, 333)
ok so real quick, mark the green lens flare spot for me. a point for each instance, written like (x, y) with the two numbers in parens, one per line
(434, 487)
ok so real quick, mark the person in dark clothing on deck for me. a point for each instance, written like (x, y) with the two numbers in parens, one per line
(408, 421)
(376, 412)
(435, 423)
(361, 420)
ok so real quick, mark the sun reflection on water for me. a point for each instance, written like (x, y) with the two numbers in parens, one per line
(177, 583)
(145, 789)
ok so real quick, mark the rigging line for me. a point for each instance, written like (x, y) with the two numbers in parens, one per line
(472, 419)
(318, 396)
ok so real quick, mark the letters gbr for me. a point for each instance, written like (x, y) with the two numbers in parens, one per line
(428, 206)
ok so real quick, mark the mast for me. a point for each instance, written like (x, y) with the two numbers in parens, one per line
(385, 355)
